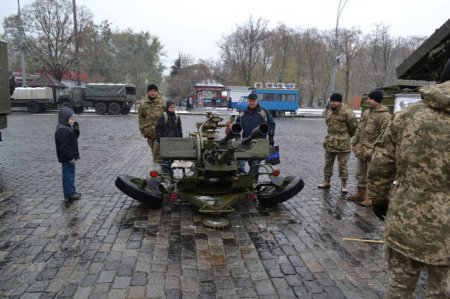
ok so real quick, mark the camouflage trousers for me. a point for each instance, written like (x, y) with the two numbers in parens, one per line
(405, 272)
(362, 166)
(342, 164)
(154, 146)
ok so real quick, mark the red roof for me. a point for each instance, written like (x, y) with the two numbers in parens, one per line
(71, 75)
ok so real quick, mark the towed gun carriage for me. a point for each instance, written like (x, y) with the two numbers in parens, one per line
(205, 172)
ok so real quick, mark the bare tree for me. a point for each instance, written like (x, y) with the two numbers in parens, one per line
(283, 41)
(242, 48)
(379, 47)
(350, 43)
(315, 55)
(50, 33)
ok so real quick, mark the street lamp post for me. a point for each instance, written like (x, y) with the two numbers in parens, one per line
(334, 50)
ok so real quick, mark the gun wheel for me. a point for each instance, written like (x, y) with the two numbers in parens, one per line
(216, 223)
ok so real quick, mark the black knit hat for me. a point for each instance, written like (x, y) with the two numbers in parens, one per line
(152, 87)
(169, 103)
(336, 97)
(376, 95)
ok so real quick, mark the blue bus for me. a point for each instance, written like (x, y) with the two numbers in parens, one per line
(276, 100)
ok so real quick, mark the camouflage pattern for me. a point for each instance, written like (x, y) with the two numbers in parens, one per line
(342, 164)
(342, 124)
(405, 272)
(154, 146)
(372, 124)
(415, 152)
(149, 113)
(362, 165)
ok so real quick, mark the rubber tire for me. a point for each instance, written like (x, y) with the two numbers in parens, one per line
(78, 110)
(43, 108)
(34, 107)
(295, 185)
(125, 111)
(100, 108)
(279, 113)
(114, 108)
(153, 199)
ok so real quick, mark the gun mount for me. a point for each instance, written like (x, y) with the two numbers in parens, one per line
(209, 178)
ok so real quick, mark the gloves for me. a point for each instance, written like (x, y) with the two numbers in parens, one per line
(271, 141)
(72, 162)
(380, 210)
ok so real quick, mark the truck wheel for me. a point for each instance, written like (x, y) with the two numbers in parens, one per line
(43, 108)
(125, 111)
(78, 110)
(34, 107)
(114, 108)
(100, 108)
(279, 113)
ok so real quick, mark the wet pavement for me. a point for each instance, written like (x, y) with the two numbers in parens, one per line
(107, 245)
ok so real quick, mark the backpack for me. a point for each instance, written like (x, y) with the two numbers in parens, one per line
(166, 117)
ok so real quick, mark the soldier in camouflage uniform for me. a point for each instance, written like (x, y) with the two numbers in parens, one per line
(372, 124)
(342, 124)
(151, 107)
(415, 153)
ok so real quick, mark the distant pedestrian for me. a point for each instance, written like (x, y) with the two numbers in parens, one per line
(342, 124)
(66, 139)
(169, 125)
(213, 102)
(188, 104)
(230, 104)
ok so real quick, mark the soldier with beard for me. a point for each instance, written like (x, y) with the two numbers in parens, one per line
(342, 124)
(151, 107)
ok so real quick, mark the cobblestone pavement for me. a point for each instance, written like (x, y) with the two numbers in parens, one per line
(107, 245)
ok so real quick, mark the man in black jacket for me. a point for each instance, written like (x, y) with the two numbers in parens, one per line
(250, 119)
(66, 135)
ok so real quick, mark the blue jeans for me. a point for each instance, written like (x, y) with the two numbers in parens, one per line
(68, 178)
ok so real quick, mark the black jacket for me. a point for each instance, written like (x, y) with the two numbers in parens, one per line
(66, 137)
(171, 128)
(251, 119)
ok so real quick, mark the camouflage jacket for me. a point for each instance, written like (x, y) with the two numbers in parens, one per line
(342, 124)
(372, 124)
(415, 152)
(149, 113)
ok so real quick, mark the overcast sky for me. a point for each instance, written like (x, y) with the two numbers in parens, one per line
(195, 27)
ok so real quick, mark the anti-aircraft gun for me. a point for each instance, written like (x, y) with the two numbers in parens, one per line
(208, 175)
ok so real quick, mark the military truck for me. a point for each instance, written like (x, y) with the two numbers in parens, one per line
(36, 99)
(103, 97)
(5, 104)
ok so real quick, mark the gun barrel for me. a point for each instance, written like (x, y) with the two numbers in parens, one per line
(234, 131)
(258, 132)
